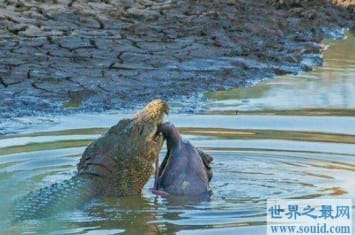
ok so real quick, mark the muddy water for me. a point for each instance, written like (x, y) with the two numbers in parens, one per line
(293, 137)
(329, 89)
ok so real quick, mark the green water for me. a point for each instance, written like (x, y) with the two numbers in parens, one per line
(293, 137)
(327, 90)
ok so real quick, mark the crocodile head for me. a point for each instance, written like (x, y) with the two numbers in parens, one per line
(124, 155)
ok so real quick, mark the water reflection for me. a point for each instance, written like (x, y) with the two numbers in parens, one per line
(244, 177)
(256, 156)
(329, 87)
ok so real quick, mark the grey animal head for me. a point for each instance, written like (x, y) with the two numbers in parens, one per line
(185, 170)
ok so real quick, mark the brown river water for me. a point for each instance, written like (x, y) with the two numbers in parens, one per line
(288, 137)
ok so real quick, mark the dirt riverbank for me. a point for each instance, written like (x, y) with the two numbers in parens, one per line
(66, 56)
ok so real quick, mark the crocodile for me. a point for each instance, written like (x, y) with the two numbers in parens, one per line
(117, 164)
(185, 170)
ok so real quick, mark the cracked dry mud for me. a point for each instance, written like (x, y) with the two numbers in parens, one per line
(69, 55)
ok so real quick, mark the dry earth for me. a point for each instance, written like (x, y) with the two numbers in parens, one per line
(73, 55)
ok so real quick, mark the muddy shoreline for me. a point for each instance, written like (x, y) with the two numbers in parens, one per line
(77, 56)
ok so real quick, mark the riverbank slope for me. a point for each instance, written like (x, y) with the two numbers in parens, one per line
(68, 56)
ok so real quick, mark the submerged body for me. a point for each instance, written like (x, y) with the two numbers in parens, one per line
(117, 164)
(186, 170)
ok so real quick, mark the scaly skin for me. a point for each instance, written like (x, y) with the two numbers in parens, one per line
(117, 164)
(57, 197)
